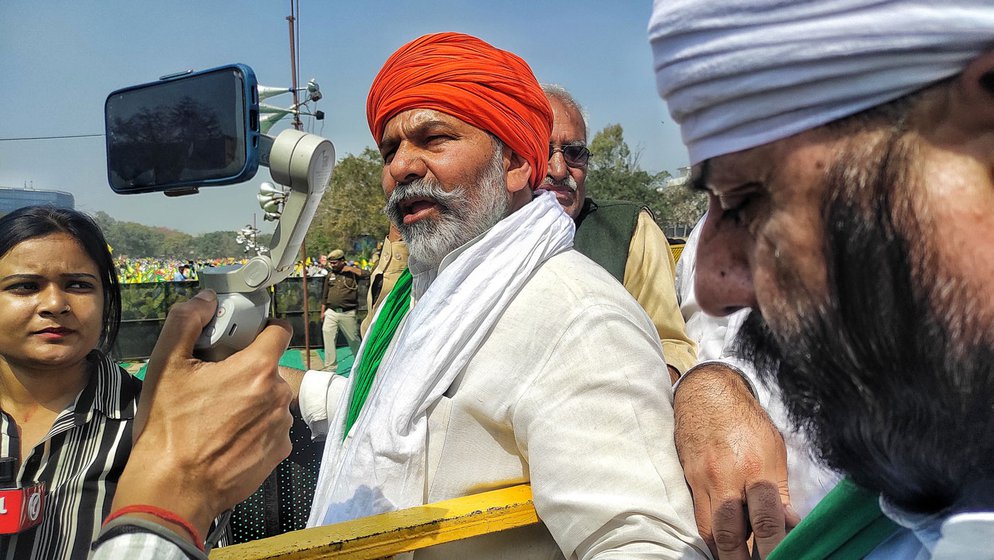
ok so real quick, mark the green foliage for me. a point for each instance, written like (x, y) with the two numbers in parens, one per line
(352, 206)
(683, 206)
(143, 301)
(137, 240)
(177, 245)
(608, 150)
(614, 174)
(219, 244)
(152, 300)
(289, 297)
(128, 238)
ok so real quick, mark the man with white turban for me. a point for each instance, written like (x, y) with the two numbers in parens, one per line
(847, 147)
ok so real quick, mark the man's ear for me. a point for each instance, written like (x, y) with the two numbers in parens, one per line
(519, 172)
(973, 95)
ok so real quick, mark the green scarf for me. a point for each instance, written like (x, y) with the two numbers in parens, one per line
(846, 524)
(395, 306)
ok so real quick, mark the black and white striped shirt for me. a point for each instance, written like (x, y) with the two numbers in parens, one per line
(80, 461)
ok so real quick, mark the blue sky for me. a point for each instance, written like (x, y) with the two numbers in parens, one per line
(60, 58)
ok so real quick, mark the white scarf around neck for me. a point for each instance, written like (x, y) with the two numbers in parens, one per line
(381, 465)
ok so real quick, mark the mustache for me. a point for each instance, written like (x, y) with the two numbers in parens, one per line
(567, 181)
(884, 370)
(756, 343)
(421, 188)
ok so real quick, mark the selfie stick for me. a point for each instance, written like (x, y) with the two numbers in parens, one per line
(303, 162)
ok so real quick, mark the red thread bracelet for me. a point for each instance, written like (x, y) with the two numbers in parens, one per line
(162, 514)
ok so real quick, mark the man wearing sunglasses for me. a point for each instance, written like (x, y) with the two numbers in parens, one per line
(622, 237)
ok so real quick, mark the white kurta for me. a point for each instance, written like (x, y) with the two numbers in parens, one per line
(570, 393)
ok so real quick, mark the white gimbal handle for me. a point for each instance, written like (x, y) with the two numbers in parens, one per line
(303, 162)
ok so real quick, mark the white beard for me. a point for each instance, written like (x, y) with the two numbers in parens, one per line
(465, 212)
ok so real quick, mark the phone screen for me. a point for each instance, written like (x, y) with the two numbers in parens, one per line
(191, 130)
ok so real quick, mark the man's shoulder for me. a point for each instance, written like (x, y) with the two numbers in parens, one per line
(626, 204)
(609, 207)
(571, 278)
(568, 297)
(574, 263)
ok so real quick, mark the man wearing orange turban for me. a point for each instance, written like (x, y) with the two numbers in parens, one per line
(466, 78)
(502, 356)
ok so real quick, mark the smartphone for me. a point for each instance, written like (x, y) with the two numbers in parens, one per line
(192, 129)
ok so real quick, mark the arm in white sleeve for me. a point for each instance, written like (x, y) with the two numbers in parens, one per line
(320, 392)
(595, 424)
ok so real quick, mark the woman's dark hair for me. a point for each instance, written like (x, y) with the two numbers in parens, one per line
(37, 221)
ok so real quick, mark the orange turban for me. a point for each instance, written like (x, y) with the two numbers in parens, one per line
(471, 80)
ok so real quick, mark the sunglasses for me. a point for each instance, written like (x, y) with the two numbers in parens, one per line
(575, 155)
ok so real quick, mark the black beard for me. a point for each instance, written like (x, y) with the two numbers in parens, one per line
(889, 376)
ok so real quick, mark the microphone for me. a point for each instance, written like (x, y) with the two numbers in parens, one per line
(20, 508)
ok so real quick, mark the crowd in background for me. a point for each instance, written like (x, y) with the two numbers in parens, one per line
(140, 270)
(131, 270)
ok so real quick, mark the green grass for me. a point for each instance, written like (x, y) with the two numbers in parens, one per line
(294, 357)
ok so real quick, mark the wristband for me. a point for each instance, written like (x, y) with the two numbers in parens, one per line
(162, 514)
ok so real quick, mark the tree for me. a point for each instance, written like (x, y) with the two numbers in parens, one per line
(137, 240)
(684, 206)
(609, 151)
(107, 226)
(175, 244)
(352, 207)
(216, 244)
(614, 174)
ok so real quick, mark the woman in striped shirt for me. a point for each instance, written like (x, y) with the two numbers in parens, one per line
(66, 408)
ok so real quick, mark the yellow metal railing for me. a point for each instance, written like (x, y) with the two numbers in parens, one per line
(677, 250)
(392, 533)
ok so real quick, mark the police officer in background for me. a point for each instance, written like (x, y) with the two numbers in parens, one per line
(339, 301)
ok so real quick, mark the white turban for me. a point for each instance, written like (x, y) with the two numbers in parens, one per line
(741, 73)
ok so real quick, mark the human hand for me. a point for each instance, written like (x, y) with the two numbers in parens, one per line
(294, 378)
(735, 461)
(206, 434)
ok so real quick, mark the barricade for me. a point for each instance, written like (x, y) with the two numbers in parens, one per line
(381, 536)
(144, 307)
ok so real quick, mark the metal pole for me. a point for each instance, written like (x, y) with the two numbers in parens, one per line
(292, 22)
